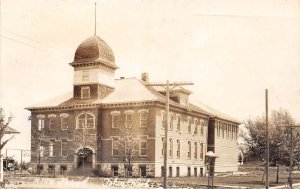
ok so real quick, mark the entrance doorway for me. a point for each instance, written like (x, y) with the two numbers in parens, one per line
(85, 160)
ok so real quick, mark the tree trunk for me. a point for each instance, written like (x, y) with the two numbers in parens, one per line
(263, 177)
(277, 174)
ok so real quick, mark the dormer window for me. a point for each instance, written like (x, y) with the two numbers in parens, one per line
(85, 92)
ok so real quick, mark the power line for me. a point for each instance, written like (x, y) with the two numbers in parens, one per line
(167, 86)
(42, 47)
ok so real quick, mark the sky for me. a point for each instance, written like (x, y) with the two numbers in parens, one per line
(232, 50)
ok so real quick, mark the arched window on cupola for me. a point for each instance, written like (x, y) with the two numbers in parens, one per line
(85, 120)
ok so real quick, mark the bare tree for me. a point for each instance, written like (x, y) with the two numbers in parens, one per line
(80, 141)
(40, 146)
(4, 123)
(127, 141)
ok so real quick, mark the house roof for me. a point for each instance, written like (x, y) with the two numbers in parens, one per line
(214, 112)
(9, 130)
(131, 90)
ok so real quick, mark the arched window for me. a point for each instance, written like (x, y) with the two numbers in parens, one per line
(85, 121)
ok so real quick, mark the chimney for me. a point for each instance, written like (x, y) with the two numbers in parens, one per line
(145, 77)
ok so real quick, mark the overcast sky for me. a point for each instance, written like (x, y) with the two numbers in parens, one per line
(231, 49)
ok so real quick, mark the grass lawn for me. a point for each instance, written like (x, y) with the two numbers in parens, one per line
(252, 178)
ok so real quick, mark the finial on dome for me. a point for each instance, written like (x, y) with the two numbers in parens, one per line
(95, 18)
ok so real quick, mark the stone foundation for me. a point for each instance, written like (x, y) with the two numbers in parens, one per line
(57, 168)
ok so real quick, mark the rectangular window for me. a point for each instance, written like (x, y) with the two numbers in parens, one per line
(171, 147)
(51, 124)
(201, 151)
(223, 130)
(63, 169)
(129, 120)
(178, 148)
(143, 171)
(143, 148)
(162, 149)
(217, 128)
(143, 119)
(189, 126)
(64, 123)
(195, 151)
(196, 127)
(115, 146)
(41, 151)
(51, 169)
(201, 128)
(85, 75)
(171, 122)
(85, 92)
(41, 124)
(90, 124)
(64, 147)
(115, 170)
(50, 149)
(116, 121)
(227, 129)
(178, 123)
(190, 149)
(163, 122)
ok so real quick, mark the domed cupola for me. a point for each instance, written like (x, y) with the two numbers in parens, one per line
(94, 50)
(94, 69)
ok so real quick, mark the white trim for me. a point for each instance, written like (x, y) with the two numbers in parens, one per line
(51, 116)
(115, 112)
(61, 121)
(112, 120)
(140, 118)
(85, 88)
(112, 145)
(143, 110)
(91, 148)
(85, 120)
(40, 116)
(143, 140)
(129, 112)
(63, 115)
(61, 149)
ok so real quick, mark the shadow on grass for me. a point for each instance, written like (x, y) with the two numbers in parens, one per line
(259, 183)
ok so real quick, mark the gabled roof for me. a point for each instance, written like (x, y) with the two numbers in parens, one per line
(131, 90)
(9, 130)
(215, 113)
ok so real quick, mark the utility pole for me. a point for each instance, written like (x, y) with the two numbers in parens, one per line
(167, 86)
(291, 127)
(267, 150)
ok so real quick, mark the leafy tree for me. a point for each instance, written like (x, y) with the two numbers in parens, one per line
(279, 136)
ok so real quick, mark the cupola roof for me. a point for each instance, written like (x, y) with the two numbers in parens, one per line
(94, 49)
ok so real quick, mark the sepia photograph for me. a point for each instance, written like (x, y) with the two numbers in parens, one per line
(149, 94)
